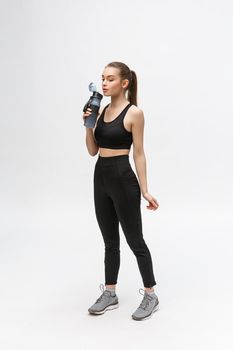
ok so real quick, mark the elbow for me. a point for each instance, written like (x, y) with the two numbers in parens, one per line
(138, 154)
(93, 153)
(92, 148)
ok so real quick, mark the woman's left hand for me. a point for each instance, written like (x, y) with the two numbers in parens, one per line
(153, 204)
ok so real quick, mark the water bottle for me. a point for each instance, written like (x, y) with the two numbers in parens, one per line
(93, 103)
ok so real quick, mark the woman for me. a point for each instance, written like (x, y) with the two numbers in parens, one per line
(117, 191)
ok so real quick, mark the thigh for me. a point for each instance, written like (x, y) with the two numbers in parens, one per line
(105, 211)
(127, 201)
(127, 192)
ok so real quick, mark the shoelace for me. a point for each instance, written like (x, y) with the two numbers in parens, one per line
(105, 293)
(146, 300)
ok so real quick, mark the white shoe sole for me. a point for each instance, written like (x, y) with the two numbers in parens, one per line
(149, 316)
(110, 307)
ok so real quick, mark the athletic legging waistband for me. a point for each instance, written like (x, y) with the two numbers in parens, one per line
(112, 159)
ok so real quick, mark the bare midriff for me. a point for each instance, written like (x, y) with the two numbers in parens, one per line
(108, 152)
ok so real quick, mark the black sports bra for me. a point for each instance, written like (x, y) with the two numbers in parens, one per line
(113, 134)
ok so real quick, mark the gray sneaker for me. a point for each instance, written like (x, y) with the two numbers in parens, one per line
(148, 305)
(107, 301)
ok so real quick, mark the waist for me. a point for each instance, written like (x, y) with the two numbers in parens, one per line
(110, 152)
(112, 159)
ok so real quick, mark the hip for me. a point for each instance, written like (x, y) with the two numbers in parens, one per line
(115, 168)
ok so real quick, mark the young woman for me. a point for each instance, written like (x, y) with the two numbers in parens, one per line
(117, 191)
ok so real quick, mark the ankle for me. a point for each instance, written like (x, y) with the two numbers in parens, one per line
(111, 289)
(110, 286)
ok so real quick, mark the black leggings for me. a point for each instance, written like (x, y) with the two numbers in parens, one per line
(117, 198)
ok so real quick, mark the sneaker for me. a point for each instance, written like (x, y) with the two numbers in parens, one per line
(107, 301)
(149, 304)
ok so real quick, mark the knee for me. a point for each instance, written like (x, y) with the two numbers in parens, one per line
(138, 247)
(112, 246)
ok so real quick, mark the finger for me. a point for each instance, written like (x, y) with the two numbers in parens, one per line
(156, 203)
(154, 206)
(153, 202)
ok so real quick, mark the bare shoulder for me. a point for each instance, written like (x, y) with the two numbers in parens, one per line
(136, 115)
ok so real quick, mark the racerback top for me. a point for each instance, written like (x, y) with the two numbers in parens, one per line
(113, 134)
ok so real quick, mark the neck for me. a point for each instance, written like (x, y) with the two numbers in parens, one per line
(117, 101)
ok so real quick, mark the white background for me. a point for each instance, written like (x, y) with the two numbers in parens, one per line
(51, 249)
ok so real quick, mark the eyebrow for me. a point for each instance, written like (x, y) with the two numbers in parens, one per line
(109, 75)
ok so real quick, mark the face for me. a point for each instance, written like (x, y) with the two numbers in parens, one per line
(112, 84)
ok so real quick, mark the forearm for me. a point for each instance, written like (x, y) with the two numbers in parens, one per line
(140, 165)
(90, 142)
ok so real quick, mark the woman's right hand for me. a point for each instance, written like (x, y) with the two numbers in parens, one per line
(87, 113)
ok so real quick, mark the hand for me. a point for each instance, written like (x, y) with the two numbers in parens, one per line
(87, 113)
(153, 204)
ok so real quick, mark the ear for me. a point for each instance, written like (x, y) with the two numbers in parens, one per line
(125, 83)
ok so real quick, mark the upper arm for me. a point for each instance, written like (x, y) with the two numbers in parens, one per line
(138, 122)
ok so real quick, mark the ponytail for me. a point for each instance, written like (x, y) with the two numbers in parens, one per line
(132, 89)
